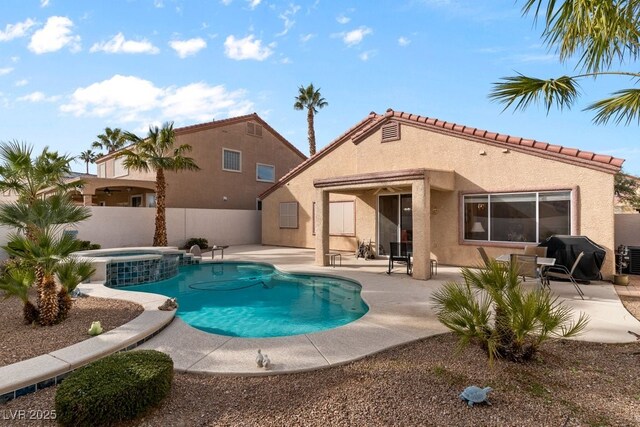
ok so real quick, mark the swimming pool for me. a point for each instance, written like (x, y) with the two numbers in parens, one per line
(242, 299)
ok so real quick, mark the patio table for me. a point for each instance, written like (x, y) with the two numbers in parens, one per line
(543, 263)
(220, 248)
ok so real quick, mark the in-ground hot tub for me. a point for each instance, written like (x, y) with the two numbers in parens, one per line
(119, 267)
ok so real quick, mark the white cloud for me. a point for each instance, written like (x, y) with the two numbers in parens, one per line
(354, 37)
(44, 3)
(226, 2)
(118, 44)
(21, 82)
(132, 99)
(5, 70)
(306, 37)
(158, 3)
(254, 3)
(365, 56)
(189, 47)
(38, 97)
(403, 41)
(19, 29)
(343, 19)
(287, 18)
(246, 48)
(55, 35)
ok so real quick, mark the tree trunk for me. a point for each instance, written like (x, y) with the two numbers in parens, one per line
(48, 302)
(29, 313)
(311, 132)
(160, 235)
(64, 304)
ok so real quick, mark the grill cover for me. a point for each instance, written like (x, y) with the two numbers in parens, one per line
(565, 249)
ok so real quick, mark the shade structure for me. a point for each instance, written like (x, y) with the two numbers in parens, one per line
(565, 249)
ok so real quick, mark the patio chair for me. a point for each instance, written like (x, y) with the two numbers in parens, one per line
(400, 251)
(485, 257)
(526, 266)
(540, 251)
(563, 273)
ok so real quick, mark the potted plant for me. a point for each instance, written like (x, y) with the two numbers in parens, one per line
(622, 260)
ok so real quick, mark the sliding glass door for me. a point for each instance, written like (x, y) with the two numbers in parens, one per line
(395, 221)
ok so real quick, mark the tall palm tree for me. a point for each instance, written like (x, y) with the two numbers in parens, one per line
(603, 33)
(311, 99)
(88, 156)
(111, 140)
(158, 152)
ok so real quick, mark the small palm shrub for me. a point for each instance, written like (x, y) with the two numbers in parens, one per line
(492, 309)
(200, 241)
(116, 388)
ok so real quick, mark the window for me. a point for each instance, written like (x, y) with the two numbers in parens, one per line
(391, 132)
(342, 218)
(254, 129)
(151, 200)
(517, 217)
(289, 215)
(231, 160)
(136, 201)
(102, 171)
(265, 173)
(118, 168)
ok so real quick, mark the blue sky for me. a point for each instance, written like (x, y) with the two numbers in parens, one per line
(70, 68)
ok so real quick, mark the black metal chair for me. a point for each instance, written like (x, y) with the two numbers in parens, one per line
(401, 252)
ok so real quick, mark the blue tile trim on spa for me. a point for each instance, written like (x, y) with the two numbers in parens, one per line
(31, 388)
(136, 272)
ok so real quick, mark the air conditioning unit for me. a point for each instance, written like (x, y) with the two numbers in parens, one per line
(634, 259)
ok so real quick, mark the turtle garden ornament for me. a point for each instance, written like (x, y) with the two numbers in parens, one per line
(473, 394)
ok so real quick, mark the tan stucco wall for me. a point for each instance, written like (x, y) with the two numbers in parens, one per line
(495, 171)
(208, 187)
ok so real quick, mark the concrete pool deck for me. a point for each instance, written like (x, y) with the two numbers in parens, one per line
(399, 312)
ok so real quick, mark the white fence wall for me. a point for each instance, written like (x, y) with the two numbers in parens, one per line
(627, 229)
(124, 227)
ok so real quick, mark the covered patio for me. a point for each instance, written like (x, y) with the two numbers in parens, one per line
(419, 183)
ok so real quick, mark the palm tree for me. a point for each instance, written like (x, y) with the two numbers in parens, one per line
(311, 99)
(88, 156)
(157, 152)
(601, 32)
(111, 140)
(491, 308)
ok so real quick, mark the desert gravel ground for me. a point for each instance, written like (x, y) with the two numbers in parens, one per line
(571, 384)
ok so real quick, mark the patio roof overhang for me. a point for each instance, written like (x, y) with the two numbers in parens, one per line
(439, 180)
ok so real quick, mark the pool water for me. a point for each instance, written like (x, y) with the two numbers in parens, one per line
(255, 300)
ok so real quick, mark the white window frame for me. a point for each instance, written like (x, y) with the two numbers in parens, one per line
(536, 194)
(265, 180)
(117, 163)
(102, 170)
(342, 216)
(239, 161)
(288, 215)
(150, 200)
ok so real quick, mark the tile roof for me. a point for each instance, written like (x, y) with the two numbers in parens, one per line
(373, 121)
(224, 122)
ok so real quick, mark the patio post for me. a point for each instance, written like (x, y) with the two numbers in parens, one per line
(421, 210)
(86, 199)
(322, 226)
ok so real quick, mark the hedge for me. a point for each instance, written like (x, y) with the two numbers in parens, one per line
(117, 388)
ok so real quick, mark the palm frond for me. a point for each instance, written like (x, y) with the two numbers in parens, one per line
(72, 272)
(624, 106)
(524, 91)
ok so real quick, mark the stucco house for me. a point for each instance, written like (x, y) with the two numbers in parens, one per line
(239, 158)
(445, 187)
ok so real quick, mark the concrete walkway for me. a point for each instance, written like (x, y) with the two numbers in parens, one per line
(400, 312)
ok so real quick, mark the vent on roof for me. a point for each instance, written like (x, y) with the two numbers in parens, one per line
(391, 132)
(254, 129)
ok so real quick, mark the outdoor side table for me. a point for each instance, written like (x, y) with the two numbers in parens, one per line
(332, 258)
(218, 248)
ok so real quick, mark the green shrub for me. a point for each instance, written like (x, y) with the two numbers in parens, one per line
(86, 245)
(116, 388)
(200, 241)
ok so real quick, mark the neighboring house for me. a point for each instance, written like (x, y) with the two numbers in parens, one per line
(446, 188)
(623, 206)
(239, 158)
